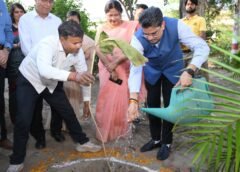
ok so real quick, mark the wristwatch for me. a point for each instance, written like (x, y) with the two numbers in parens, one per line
(190, 71)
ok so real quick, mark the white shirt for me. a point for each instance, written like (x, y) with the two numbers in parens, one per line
(186, 37)
(33, 28)
(47, 64)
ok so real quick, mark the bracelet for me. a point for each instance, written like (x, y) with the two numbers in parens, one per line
(132, 100)
(136, 100)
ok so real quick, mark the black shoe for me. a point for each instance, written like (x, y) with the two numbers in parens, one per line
(163, 152)
(59, 137)
(150, 146)
(40, 144)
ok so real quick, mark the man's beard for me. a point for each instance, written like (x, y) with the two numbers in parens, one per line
(190, 11)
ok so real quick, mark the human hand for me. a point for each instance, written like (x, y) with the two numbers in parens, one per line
(86, 110)
(87, 54)
(185, 80)
(114, 75)
(16, 45)
(133, 112)
(3, 57)
(118, 57)
(84, 78)
(118, 54)
(111, 66)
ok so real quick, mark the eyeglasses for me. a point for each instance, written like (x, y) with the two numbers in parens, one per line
(153, 34)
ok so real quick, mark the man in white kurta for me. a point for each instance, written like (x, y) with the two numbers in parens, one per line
(42, 73)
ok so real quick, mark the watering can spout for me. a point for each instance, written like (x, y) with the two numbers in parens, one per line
(158, 112)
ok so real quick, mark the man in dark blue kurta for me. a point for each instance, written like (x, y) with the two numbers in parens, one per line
(159, 40)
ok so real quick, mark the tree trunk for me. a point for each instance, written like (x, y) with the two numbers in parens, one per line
(202, 4)
(128, 6)
(182, 11)
(235, 39)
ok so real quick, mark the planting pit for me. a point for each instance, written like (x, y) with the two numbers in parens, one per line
(99, 165)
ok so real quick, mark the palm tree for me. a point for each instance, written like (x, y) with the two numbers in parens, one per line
(215, 140)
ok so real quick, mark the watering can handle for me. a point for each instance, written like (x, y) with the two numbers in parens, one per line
(179, 89)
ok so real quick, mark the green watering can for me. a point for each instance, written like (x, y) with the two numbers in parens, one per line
(186, 104)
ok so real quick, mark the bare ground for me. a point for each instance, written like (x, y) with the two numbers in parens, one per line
(125, 149)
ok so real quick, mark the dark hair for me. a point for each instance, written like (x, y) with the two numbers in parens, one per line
(70, 28)
(113, 4)
(143, 6)
(13, 7)
(193, 1)
(151, 17)
(74, 13)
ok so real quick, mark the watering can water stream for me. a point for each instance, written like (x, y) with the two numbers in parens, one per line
(186, 104)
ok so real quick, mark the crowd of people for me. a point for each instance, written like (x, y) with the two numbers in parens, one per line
(44, 58)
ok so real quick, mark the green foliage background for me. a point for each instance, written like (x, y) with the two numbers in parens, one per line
(215, 139)
(60, 9)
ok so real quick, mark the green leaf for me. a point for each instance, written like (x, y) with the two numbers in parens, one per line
(229, 107)
(107, 45)
(214, 136)
(217, 86)
(227, 114)
(226, 138)
(237, 153)
(225, 52)
(212, 151)
(222, 76)
(202, 131)
(224, 97)
(204, 155)
(202, 147)
(102, 36)
(230, 68)
(229, 147)
(205, 125)
(193, 148)
(201, 138)
(219, 151)
(215, 118)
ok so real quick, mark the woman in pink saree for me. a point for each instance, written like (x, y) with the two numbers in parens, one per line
(113, 98)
